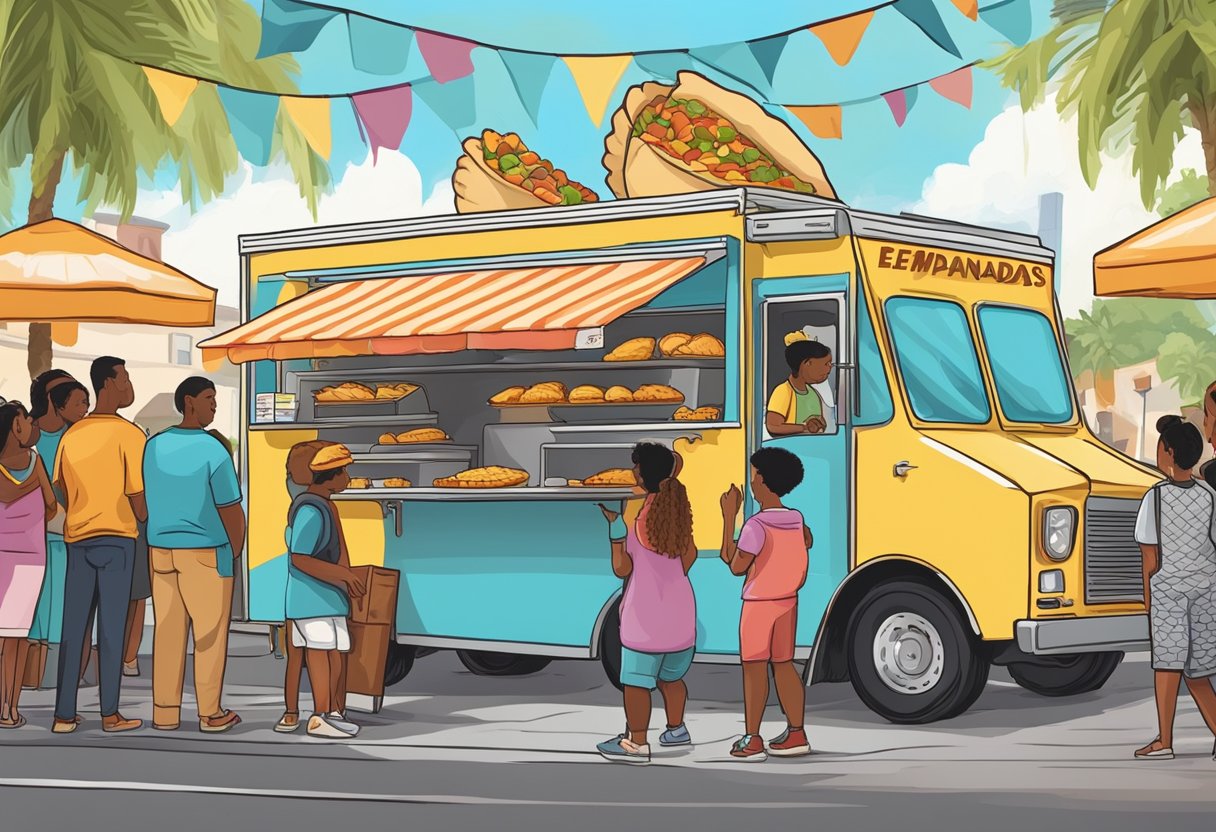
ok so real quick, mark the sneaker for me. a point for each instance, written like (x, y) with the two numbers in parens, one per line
(749, 748)
(340, 721)
(791, 743)
(621, 750)
(288, 722)
(116, 723)
(675, 736)
(319, 726)
(130, 668)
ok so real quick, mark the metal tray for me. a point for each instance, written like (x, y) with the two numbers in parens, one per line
(614, 412)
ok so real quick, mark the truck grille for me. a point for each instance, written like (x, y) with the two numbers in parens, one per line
(1113, 566)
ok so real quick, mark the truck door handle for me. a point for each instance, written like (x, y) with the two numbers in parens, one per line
(901, 469)
(393, 507)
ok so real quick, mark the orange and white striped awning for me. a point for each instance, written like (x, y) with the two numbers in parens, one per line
(536, 308)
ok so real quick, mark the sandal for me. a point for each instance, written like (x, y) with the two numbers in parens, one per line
(218, 724)
(19, 722)
(1155, 751)
(288, 723)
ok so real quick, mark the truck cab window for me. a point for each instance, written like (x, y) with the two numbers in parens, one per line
(801, 343)
(937, 359)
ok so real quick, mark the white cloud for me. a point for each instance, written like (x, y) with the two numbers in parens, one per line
(1024, 155)
(204, 244)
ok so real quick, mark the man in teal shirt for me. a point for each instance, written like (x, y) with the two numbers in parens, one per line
(196, 527)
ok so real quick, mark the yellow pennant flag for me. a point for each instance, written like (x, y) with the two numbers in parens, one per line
(971, 8)
(311, 115)
(65, 333)
(596, 77)
(172, 92)
(824, 121)
(843, 35)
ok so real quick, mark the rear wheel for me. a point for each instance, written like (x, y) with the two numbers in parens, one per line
(400, 662)
(610, 646)
(1065, 675)
(912, 658)
(483, 663)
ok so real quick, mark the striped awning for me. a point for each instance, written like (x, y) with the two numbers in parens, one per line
(535, 308)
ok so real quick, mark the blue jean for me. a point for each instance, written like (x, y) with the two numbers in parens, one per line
(99, 572)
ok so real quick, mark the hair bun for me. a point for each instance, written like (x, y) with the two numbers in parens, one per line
(1167, 422)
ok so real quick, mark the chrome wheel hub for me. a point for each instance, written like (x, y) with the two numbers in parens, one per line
(908, 653)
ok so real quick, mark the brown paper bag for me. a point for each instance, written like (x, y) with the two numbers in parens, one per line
(367, 658)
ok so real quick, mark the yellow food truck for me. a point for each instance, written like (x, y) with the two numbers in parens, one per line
(963, 513)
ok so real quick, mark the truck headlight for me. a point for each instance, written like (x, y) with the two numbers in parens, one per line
(1059, 532)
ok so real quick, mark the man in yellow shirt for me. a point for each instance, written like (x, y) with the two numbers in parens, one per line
(99, 473)
(795, 407)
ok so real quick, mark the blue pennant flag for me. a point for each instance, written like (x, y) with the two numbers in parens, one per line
(376, 47)
(767, 53)
(529, 75)
(737, 61)
(1011, 18)
(454, 101)
(663, 66)
(251, 119)
(288, 26)
(924, 14)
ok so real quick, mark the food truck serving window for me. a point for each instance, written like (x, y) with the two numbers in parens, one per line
(1026, 365)
(937, 360)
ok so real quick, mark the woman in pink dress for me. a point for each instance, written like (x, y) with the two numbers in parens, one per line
(26, 504)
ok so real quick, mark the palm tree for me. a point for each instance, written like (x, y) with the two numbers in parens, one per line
(1189, 363)
(1101, 344)
(1134, 72)
(73, 92)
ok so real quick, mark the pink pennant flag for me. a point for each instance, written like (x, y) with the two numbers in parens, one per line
(446, 57)
(898, 102)
(956, 86)
(385, 115)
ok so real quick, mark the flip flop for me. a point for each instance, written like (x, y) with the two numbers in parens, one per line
(1148, 753)
(19, 722)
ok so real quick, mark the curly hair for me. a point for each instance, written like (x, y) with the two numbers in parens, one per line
(669, 520)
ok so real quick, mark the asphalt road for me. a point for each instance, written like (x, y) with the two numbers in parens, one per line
(518, 753)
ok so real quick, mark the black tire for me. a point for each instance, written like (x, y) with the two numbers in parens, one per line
(941, 686)
(483, 663)
(610, 646)
(1065, 675)
(400, 662)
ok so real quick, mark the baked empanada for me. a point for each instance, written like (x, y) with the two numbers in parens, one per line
(509, 396)
(586, 393)
(617, 393)
(657, 393)
(635, 349)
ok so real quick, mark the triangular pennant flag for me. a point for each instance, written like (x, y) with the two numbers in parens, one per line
(446, 57)
(1011, 18)
(955, 86)
(768, 53)
(971, 8)
(663, 66)
(172, 92)
(924, 14)
(454, 102)
(824, 121)
(529, 75)
(843, 35)
(251, 118)
(734, 60)
(897, 100)
(376, 47)
(596, 77)
(288, 26)
(384, 115)
(311, 115)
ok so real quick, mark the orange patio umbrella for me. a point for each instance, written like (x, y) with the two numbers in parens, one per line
(1174, 258)
(58, 271)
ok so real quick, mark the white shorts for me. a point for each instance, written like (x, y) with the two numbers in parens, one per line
(321, 634)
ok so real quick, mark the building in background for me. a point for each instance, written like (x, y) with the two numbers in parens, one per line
(1051, 228)
(158, 357)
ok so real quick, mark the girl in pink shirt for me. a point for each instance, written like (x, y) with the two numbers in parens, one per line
(658, 611)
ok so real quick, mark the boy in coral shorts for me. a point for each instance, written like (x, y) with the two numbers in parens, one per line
(772, 552)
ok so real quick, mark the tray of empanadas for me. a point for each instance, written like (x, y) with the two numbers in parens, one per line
(354, 399)
(610, 478)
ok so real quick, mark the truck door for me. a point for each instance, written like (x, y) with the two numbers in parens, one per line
(786, 309)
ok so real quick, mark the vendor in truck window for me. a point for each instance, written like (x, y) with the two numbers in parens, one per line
(795, 406)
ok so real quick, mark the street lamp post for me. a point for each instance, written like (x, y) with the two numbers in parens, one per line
(1143, 384)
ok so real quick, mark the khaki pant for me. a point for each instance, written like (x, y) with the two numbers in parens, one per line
(188, 593)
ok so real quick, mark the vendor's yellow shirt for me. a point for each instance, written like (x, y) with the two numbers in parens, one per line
(100, 463)
(795, 407)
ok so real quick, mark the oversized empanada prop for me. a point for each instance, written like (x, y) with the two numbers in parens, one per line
(698, 136)
(498, 172)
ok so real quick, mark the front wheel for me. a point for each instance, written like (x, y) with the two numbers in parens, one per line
(912, 658)
(610, 646)
(483, 663)
(1065, 675)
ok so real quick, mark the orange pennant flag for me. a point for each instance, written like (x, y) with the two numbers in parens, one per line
(824, 121)
(596, 77)
(172, 92)
(843, 35)
(971, 8)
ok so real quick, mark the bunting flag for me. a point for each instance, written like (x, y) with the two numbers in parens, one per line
(664, 66)
(823, 120)
(971, 8)
(901, 103)
(251, 117)
(311, 115)
(767, 53)
(288, 26)
(378, 48)
(454, 102)
(924, 15)
(596, 78)
(1011, 18)
(842, 36)
(447, 58)
(955, 86)
(384, 115)
(172, 92)
(734, 60)
(529, 75)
